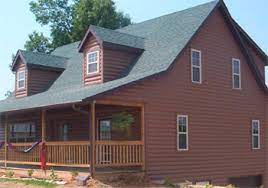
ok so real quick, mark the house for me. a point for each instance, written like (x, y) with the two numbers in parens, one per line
(190, 86)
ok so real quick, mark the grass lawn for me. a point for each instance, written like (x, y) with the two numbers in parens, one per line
(37, 183)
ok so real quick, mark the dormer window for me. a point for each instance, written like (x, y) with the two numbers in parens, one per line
(20, 80)
(93, 62)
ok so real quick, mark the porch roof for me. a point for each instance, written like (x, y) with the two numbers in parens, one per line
(164, 39)
(41, 60)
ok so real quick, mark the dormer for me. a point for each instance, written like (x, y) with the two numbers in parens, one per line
(107, 54)
(35, 72)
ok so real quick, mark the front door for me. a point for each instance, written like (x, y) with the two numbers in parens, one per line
(104, 153)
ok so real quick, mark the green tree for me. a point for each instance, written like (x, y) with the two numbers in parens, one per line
(69, 19)
(96, 12)
(57, 14)
(8, 94)
(38, 43)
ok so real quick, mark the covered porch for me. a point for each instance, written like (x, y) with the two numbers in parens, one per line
(76, 135)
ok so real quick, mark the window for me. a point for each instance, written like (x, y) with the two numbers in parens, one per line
(196, 66)
(182, 132)
(93, 62)
(255, 125)
(22, 132)
(236, 72)
(20, 79)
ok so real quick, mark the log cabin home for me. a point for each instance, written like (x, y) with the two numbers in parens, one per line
(189, 86)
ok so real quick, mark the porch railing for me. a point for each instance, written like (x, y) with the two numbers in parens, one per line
(76, 154)
(118, 153)
(16, 155)
(68, 153)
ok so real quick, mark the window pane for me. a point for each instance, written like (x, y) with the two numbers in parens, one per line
(195, 55)
(92, 67)
(196, 74)
(196, 58)
(236, 81)
(182, 141)
(255, 128)
(255, 142)
(182, 124)
(182, 128)
(92, 57)
(21, 75)
(236, 67)
(21, 83)
(182, 120)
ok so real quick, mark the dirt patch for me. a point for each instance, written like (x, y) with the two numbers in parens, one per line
(17, 185)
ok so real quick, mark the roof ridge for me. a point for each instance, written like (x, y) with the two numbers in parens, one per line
(42, 53)
(117, 31)
(187, 9)
(66, 45)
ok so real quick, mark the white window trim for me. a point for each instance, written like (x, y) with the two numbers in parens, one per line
(196, 66)
(178, 133)
(254, 134)
(18, 80)
(238, 60)
(88, 63)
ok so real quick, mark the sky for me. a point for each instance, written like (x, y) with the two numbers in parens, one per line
(17, 22)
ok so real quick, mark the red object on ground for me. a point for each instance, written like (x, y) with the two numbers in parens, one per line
(43, 155)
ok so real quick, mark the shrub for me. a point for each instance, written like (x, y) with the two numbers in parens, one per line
(74, 173)
(9, 173)
(122, 121)
(30, 172)
(53, 175)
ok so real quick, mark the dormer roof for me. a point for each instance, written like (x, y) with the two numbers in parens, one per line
(104, 35)
(40, 60)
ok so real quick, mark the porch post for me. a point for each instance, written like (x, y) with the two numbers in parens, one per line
(6, 132)
(43, 124)
(92, 139)
(143, 137)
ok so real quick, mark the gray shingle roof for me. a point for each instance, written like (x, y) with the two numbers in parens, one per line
(115, 37)
(164, 38)
(43, 60)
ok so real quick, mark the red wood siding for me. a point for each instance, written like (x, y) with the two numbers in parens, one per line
(115, 62)
(40, 80)
(21, 92)
(90, 46)
(219, 116)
